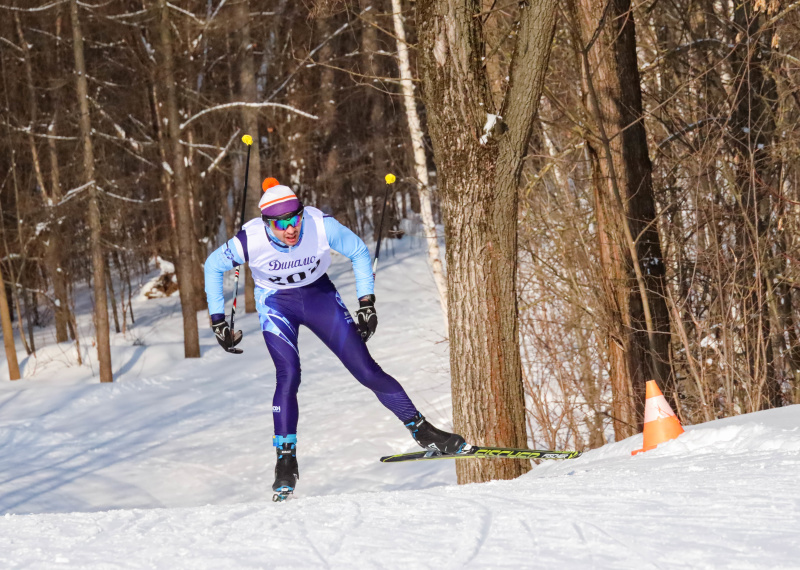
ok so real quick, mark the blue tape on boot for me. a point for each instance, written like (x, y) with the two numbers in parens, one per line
(279, 440)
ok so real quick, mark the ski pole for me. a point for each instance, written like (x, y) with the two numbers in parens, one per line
(390, 178)
(248, 140)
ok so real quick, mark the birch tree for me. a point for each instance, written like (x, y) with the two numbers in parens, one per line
(420, 161)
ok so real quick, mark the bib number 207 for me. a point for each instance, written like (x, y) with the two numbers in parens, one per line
(294, 277)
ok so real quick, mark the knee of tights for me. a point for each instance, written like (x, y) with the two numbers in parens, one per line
(287, 384)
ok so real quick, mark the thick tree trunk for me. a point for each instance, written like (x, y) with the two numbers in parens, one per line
(614, 98)
(479, 155)
(420, 160)
(98, 259)
(247, 85)
(191, 341)
(616, 298)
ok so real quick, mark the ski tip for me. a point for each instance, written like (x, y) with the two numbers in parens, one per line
(390, 458)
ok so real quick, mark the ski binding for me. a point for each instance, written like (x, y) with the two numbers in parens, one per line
(282, 494)
(281, 497)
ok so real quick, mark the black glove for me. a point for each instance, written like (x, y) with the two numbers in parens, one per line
(224, 337)
(366, 317)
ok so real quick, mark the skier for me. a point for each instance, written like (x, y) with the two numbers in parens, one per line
(288, 249)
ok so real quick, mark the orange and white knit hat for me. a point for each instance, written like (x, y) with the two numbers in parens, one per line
(277, 199)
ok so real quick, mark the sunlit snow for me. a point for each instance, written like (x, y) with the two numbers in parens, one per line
(171, 466)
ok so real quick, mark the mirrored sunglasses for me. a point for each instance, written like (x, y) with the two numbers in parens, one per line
(287, 223)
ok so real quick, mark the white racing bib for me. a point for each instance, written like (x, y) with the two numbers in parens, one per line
(302, 264)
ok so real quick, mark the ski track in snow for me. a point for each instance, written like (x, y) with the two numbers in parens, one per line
(171, 466)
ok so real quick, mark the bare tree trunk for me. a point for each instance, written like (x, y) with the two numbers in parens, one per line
(420, 161)
(479, 154)
(112, 296)
(166, 177)
(375, 100)
(54, 251)
(122, 269)
(123, 307)
(15, 284)
(32, 97)
(607, 39)
(185, 265)
(29, 301)
(751, 131)
(247, 83)
(615, 301)
(73, 329)
(15, 289)
(8, 332)
(98, 259)
(327, 163)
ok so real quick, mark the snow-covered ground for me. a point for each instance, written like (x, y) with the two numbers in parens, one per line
(171, 466)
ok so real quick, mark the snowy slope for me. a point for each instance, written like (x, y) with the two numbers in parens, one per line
(170, 467)
(176, 432)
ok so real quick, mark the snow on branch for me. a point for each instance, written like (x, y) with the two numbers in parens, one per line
(28, 130)
(214, 15)
(12, 44)
(780, 15)
(74, 192)
(683, 47)
(488, 127)
(310, 56)
(686, 129)
(37, 9)
(185, 12)
(243, 104)
(220, 156)
(126, 199)
(127, 15)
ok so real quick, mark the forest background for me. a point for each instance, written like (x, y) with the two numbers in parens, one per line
(617, 182)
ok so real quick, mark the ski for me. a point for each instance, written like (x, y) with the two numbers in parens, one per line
(480, 452)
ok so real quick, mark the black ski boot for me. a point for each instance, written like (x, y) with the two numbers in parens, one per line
(430, 437)
(286, 471)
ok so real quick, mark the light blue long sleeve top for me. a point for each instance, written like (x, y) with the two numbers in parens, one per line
(340, 239)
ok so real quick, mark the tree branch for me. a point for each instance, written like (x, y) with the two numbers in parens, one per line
(239, 104)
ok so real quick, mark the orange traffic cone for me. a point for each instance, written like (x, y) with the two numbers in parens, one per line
(660, 422)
